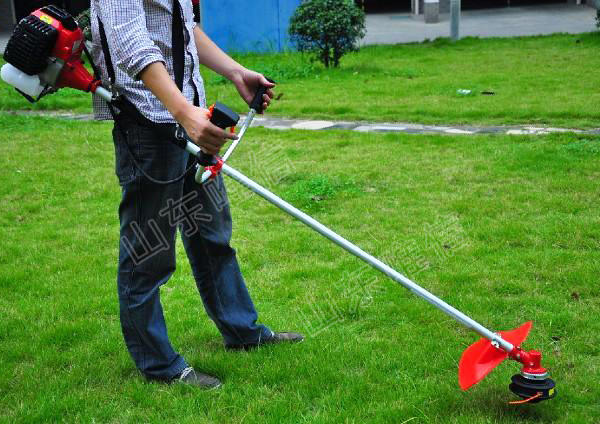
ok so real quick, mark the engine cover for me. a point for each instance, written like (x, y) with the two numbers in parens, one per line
(31, 44)
(48, 45)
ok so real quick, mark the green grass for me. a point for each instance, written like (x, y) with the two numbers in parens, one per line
(527, 207)
(545, 80)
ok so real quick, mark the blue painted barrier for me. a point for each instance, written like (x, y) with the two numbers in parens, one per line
(249, 26)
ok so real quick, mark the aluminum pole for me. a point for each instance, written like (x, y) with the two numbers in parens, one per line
(104, 94)
(371, 260)
(454, 20)
(202, 176)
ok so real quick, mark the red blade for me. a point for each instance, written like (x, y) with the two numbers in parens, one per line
(479, 359)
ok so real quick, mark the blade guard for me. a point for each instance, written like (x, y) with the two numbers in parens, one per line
(479, 359)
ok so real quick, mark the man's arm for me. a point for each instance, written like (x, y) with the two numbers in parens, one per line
(195, 120)
(245, 80)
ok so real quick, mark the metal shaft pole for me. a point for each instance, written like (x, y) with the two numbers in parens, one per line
(241, 134)
(454, 20)
(202, 177)
(371, 260)
(104, 94)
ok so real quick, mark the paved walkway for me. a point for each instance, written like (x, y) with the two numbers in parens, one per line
(405, 128)
(410, 128)
(505, 22)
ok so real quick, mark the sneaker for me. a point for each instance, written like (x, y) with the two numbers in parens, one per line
(275, 338)
(191, 377)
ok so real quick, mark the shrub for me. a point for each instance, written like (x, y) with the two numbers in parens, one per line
(83, 19)
(327, 28)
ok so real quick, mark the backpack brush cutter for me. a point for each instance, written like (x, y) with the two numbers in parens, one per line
(44, 55)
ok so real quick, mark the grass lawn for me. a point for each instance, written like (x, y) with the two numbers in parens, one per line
(549, 80)
(525, 210)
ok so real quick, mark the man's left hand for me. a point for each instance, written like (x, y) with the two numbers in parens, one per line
(247, 83)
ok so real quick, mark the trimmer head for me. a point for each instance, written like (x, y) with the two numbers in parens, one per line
(479, 359)
(532, 390)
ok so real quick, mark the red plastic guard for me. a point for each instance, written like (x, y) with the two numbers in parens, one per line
(479, 359)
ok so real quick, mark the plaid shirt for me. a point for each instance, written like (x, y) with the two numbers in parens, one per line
(139, 33)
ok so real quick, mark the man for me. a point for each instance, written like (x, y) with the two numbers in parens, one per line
(139, 46)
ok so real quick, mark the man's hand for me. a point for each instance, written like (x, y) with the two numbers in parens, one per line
(247, 83)
(201, 131)
(194, 120)
(245, 80)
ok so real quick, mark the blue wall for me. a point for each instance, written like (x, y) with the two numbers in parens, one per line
(248, 26)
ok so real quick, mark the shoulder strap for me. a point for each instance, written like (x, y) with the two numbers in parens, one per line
(178, 47)
(107, 58)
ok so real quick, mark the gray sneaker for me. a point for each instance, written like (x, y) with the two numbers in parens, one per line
(191, 377)
(275, 339)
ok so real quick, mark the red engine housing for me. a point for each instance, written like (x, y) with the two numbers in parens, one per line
(68, 49)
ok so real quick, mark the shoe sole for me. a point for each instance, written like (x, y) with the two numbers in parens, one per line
(239, 348)
(208, 389)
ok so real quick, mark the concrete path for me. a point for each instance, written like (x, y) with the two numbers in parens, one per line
(505, 22)
(405, 128)
(411, 128)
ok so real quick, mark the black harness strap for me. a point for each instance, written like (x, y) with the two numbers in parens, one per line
(179, 50)
(107, 58)
(177, 45)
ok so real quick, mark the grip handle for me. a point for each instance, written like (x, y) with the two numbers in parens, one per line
(182, 140)
(223, 117)
(204, 159)
(257, 101)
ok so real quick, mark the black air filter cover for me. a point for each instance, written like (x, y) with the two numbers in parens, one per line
(30, 45)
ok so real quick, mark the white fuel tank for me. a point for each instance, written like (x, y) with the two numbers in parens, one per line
(28, 84)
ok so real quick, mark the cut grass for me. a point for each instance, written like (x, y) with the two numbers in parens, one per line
(545, 80)
(528, 207)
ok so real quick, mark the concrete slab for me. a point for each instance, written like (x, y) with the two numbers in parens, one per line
(458, 131)
(506, 22)
(387, 128)
(312, 125)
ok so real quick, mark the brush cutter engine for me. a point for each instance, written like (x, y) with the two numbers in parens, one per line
(44, 54)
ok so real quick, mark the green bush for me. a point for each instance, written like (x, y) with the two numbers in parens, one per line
(83, 19)
(327, 28)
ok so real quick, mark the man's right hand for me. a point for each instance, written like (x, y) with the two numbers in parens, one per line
(201, 131)
(194, 120)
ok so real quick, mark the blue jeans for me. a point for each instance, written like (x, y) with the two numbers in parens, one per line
(150, 215)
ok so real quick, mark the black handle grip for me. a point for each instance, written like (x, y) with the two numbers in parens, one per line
(258, 101)
(222, 117)
(205, 159)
